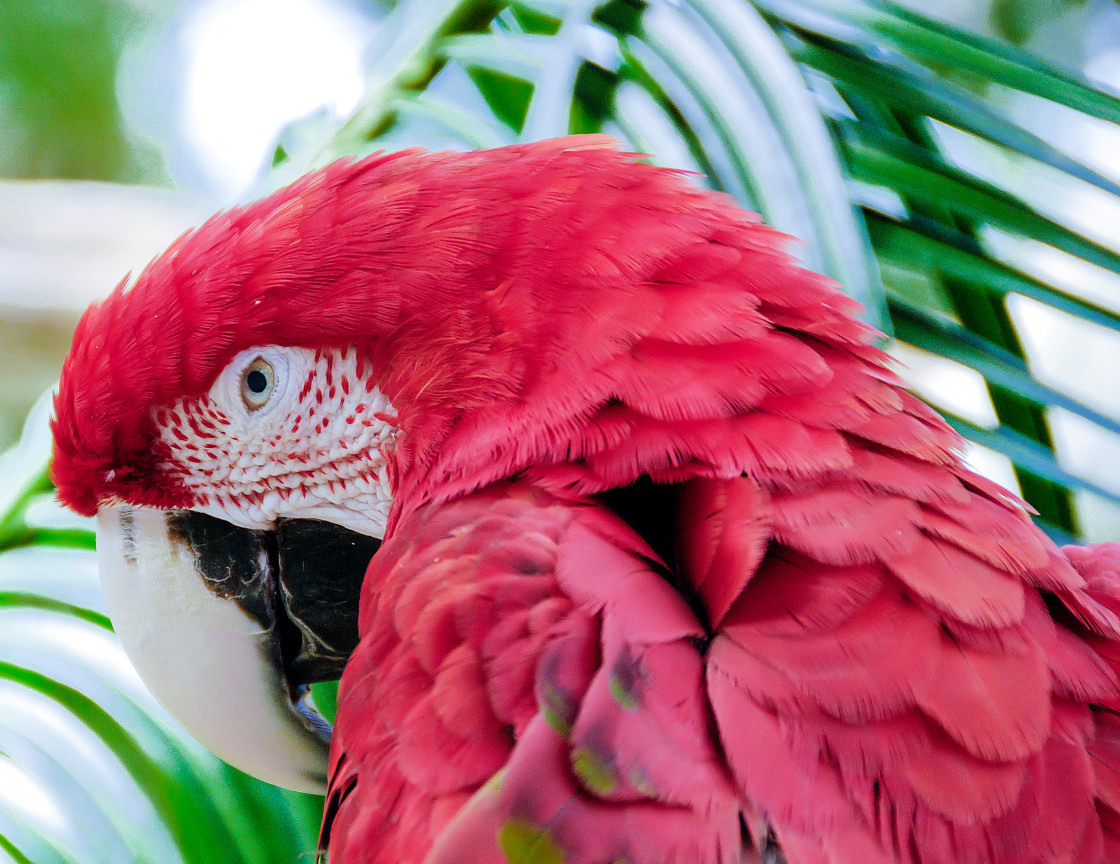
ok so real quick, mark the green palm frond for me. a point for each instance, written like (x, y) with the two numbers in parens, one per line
(904, 125)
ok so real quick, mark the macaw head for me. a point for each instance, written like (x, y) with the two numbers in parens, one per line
(252, 415)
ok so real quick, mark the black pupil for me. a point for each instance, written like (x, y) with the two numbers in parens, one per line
(256, 381)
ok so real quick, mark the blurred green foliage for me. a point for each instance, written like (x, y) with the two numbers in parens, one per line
(59, 115)
(1018, 20)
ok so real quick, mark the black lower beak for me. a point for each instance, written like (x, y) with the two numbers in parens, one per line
(302, 579)
(320, 568)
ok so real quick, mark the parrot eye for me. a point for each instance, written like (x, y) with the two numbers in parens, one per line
(257, 383)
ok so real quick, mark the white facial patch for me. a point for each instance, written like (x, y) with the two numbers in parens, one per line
(286, 432)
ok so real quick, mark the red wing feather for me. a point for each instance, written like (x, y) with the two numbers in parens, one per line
(964, 789)
(439, 760)
(1004, 552)
(893, 472)
(868, 748)
(641, 733)
(723, 531)
(960, 585)
(1065, 799)
(870, 666)
(1076, 671)
(996, 705)
(910, 434)
(671, 381)
(844, 525)
(651, 609)
(1104, 750)
(860, 709)
(792, 595)
(793, 788)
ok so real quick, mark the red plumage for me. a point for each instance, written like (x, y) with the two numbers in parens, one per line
(845, 643)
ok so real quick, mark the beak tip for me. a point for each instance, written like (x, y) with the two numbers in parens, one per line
(202, 655)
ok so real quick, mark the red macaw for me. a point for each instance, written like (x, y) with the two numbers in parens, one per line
(657, 560)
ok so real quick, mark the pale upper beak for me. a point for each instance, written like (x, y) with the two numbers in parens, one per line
(228, 626)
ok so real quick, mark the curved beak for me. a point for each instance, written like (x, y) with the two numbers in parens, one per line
(228, 627)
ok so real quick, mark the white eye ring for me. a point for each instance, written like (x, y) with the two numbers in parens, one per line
(258, 383)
